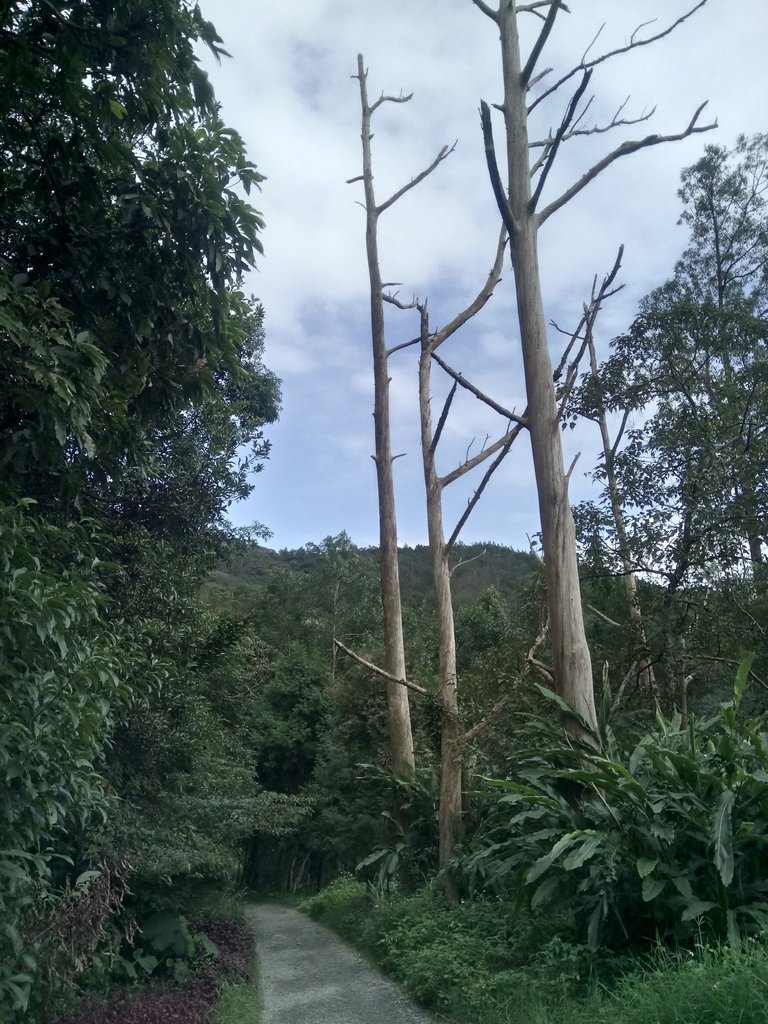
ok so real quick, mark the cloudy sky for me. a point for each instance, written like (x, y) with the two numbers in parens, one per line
(288, 90)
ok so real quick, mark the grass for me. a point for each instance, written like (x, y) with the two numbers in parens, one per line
(488, 962)
(239, 1004)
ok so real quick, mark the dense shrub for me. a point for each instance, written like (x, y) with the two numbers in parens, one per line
(664, 838)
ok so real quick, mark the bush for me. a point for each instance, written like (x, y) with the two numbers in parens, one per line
(665, 839)
(472, 960)
(342, 906)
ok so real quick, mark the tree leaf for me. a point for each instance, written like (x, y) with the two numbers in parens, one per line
(696, 909)
(645, 866)
(652, 887)
(722, 838)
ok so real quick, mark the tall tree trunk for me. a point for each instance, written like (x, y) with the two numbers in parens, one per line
(572, 663)
(450, 807)
(399, 716)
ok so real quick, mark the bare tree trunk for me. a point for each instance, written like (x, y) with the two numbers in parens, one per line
(572, 663)
(645, 666)
(450, 807)
(399, 716)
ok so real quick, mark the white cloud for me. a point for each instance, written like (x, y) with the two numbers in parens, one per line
(289, 92)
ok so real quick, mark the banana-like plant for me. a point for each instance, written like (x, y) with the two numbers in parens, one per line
(668, 838)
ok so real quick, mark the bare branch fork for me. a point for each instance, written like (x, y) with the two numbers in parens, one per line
(551, 146)
(587, 323)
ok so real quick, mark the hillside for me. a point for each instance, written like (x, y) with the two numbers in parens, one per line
(479, 566)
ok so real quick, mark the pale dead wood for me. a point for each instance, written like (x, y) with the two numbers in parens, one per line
(481, 487)
(471, 734)
(468, 386)
(379, 671)
(540, 43)
(486, 9)
(466, 561)
(481, 457)
(444, 153)
(625, 149)
(482, 297)
(606, 618)
(632, 45)
(552, 150)
(398, 711)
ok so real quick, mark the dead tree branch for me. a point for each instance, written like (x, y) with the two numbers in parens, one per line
(481, 487)
(625, 149)
(478, 459)
(633, 44)
(379, 671)
(552, 151)
(538, 46)
(494, 276)
(460, 379)
(442, 155)
(493, 170)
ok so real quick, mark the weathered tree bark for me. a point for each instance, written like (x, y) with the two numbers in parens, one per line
(399, 717)
(571, 659)
(572, 668)
(452, 742)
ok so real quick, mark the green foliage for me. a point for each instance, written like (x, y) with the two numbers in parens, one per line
(665, 838)
(67, 674)
(411, 854)
(716, 985)
(476, 961)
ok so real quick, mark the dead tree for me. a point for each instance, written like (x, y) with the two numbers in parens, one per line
(400, 736)
(523, 215)
(452, 739)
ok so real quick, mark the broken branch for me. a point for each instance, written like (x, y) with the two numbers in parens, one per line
(379, 671)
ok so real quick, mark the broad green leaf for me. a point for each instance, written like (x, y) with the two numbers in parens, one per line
(722, 838)
(734, 936)
(583, 853)
(652, 887)
(645, 866)
(742, 677)
(696, 909)
(544, 892)
(546, 862)
(593, 928)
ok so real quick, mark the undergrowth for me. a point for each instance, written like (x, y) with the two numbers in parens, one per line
(486, 962)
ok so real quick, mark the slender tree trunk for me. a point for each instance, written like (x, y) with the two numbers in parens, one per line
(399, 716)
(571, 658)
(449, 814)
(645, 666)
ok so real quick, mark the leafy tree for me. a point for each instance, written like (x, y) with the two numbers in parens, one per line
(693, 368)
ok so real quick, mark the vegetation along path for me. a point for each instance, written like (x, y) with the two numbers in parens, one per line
(309, 976)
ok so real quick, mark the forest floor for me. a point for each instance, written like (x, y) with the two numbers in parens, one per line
(307, 975)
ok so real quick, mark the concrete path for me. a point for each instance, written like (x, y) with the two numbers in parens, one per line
(308, 976)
